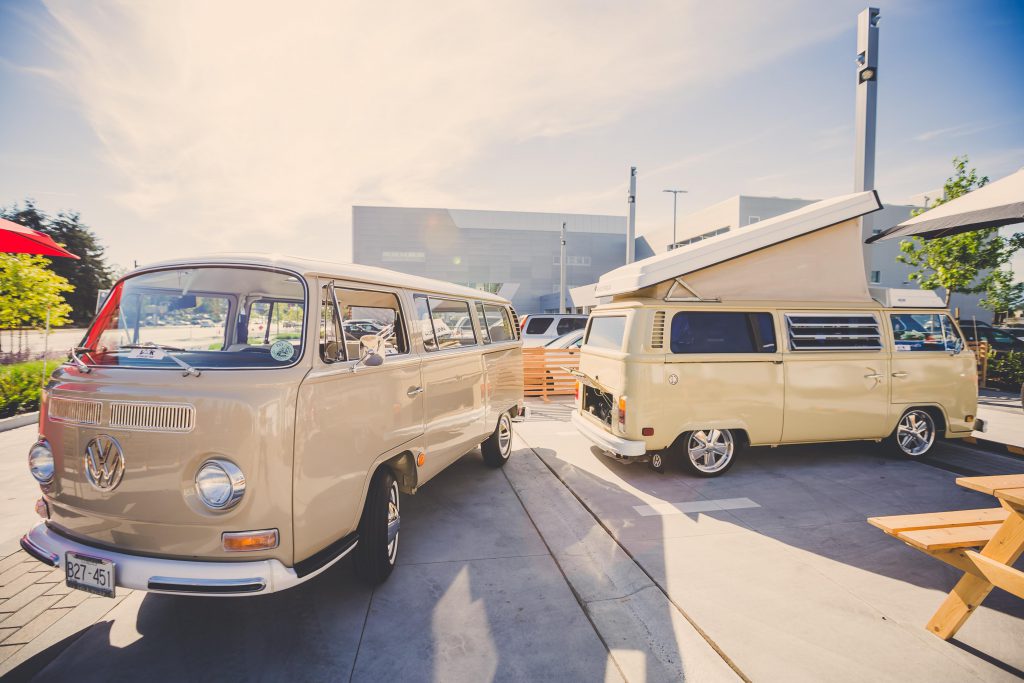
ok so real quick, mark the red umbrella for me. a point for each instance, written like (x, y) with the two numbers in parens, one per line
(17, 239)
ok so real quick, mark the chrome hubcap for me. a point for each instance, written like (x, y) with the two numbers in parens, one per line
(710, 450)
(915, 433)
(504, 435)
(394, 522)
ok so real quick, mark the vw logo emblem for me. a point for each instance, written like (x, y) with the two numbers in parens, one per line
(104, 462)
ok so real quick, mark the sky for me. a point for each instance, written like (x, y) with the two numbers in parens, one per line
(187, 128)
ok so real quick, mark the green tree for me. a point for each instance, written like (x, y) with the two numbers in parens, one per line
(29, 290)
(87, 275)
(965, 263)
(1003, 295)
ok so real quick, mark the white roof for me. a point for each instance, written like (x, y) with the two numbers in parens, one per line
(699, 255)
(345, 271)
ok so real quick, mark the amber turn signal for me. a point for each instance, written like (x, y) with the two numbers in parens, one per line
(969, 419)
(247, 541)
(42, 509)
(421, 459)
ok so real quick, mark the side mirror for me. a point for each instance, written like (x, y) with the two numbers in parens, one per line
(370, 351)
(957, 347)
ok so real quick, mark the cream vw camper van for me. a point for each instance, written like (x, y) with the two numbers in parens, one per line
(764, 336)
(236, 425)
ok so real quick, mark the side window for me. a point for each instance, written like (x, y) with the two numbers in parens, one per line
(923, 332)
(481, 319)
(499, 327)
(833, 332)
(537, 325)
(607, 332)
(567, 325)
(269, 321)
(331, 348)
(364, 312)
(721, 332)
(452, 323)
(426, 326)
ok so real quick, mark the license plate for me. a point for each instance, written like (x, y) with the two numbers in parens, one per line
(89, 574)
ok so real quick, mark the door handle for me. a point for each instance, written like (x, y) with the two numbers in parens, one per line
(414, 391)
(899, 374)
(873, 375)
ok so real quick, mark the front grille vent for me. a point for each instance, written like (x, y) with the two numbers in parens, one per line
(74, 410)
(658, 331)
(159, 417)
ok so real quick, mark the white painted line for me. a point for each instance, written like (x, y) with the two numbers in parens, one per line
(663, 509)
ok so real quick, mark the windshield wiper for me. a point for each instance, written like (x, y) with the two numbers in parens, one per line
(79, 363)
(169, 352)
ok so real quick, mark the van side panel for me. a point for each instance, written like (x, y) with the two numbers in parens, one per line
(503, 382)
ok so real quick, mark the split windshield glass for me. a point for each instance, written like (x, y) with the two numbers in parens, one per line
(208, 317)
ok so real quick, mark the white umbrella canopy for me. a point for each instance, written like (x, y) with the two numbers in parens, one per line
(997, 204)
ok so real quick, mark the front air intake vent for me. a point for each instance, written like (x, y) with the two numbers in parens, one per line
(74, 410)
(658, 331)
(157, 417)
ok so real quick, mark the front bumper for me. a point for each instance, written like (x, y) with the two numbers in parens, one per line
(606, 441)
(179, 577)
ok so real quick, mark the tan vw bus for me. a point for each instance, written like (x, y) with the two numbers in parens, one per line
(236, 425)
(769, 336)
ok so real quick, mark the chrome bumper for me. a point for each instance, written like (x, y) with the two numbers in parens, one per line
(606, 441)
(179, 577)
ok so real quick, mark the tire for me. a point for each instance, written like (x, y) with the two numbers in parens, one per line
(498, 445)
(374, 557)
(697, 458)
(657, 462)
(914, 435)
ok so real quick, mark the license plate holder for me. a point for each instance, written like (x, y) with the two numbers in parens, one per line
(90, 574)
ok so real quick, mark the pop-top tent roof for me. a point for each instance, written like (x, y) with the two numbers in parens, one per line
(996, 204)
(814, 252)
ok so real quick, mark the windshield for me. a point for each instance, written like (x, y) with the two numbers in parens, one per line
(207, 317)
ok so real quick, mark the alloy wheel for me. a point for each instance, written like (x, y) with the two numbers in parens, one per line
(710, 450)
(915, 433)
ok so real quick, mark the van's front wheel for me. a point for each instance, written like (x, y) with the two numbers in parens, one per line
(498, 446)
(709, 452)
(374, 557)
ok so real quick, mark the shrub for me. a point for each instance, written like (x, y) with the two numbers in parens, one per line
(1006, 368)
(20, 386)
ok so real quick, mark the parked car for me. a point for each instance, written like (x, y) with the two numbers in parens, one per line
(573, 340)
(537, 330)
(996, 338)
(246, 467)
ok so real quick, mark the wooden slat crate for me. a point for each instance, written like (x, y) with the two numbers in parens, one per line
(543, 375)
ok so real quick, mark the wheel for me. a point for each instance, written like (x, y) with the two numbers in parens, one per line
(498, 446)
(374, 557)
(709, 452)
(915, 433)
(657, 463)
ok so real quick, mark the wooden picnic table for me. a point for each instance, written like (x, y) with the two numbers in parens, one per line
(952, 538)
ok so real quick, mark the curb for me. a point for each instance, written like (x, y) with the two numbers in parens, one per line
(991, 445)
(9, 423)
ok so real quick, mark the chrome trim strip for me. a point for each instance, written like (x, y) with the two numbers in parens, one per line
(184, 585)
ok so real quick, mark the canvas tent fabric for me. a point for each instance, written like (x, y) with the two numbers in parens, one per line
(814, 252)
(994, 205)
(17, 239)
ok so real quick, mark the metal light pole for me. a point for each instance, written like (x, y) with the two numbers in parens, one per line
(867, 99)
(675, 195)
(631, 226)
(561, 274)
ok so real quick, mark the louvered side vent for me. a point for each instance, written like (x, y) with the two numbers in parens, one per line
(515, 321)
(814, 332)
(74, 410)
(658, 331)
(157, 417)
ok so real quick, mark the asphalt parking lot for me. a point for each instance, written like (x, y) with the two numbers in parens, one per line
(569, 566)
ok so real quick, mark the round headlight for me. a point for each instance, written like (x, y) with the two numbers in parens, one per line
(40, 462)
(220, 484)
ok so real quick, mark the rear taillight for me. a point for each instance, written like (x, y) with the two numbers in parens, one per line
(622, 412)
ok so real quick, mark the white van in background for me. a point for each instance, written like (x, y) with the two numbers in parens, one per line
(538, 330)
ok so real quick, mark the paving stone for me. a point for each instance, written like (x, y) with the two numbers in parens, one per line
(34, 628)
(7, 651)
(54, 576)
(25, 596)
(14, 587)
(72, 599)
(58, 589)
(38, 567)
(30, 611)
(11, 560)
(5, 632)
(15, 572)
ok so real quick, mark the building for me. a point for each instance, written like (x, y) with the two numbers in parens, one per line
(882, 268)
(512, 253)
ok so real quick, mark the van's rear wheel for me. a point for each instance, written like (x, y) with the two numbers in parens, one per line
(709, 452)
(915, 433)
(374, 557)
(498, 446)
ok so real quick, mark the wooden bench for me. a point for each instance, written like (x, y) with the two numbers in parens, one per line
(954, 537)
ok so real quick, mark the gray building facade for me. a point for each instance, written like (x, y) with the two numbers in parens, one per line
(512, 253)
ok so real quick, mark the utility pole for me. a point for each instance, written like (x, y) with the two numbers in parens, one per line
(865, 120)
(631, 225)
(675, 195)
(561, 275)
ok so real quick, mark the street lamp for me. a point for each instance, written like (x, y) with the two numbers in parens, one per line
(675, 195)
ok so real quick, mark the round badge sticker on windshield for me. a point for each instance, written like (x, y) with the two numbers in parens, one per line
(282, 350)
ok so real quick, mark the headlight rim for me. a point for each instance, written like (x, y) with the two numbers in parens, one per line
(44, 443)
(236, 481)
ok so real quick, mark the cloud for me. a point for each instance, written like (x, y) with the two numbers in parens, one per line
(245, 124)
(958, 131)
